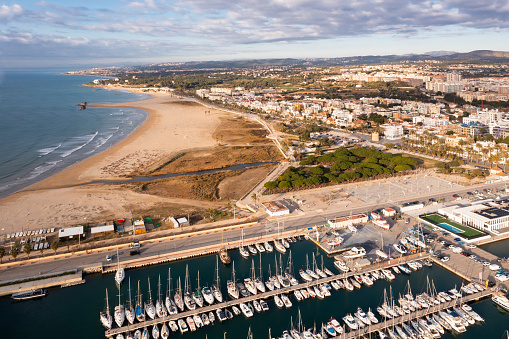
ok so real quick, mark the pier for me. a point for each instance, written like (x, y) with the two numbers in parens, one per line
(416, 314)
(266, 295)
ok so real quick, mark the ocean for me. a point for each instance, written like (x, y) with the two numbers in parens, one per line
(74, 312)
(44, 132)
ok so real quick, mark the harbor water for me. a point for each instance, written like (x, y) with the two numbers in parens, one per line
(43, 131)
(74, 312)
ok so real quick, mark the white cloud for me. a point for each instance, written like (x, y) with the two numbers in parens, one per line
(9, 13)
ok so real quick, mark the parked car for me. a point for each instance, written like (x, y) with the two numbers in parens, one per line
(108, 258)
(444, 259)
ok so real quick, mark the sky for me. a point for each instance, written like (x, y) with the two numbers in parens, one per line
(89, 33)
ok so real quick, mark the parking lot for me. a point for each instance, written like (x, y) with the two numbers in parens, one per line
(401, 188)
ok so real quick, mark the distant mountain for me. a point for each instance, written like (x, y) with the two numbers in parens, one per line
(439, 53)
(479, 55)
(192, 66)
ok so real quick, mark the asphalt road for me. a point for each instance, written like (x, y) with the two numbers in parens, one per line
(264, 227)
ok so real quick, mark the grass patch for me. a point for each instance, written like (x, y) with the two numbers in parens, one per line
(468, 232)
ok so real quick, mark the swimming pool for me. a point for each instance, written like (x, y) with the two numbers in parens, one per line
(451, 228)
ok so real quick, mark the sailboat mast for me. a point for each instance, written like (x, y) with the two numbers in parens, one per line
(261, 267)
(217, 273)
(130, 301)
(252, 269)
(107, 304)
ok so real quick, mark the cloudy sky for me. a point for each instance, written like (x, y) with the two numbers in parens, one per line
(86, 33)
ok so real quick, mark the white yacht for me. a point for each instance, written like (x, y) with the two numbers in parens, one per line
(150, 310)
(119, 313)
(501, 300)
(268, 247)
(129, 310)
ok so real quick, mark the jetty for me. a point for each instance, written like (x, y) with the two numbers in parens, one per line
(388, 264)
(388, 323)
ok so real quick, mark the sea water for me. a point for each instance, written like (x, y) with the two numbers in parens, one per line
(74, 312)
(43, 131)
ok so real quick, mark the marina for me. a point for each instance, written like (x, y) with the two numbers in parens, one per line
(261, 296)
(314, 310)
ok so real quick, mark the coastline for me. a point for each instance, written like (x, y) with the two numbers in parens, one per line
(170, 127)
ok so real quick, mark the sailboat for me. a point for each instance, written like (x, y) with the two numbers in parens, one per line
(249, 283)
(188, 299)
(139, 310)
(310, 272)
(233, 291)
(216, 288)
(198, 298)
(105, 316)
(258, 281)
(178, 297)
(223, 254)
(242, 250)
(277, 243)
(168, 301)
(149, 305)
(120, 274)
(160, 309)
(129, 311)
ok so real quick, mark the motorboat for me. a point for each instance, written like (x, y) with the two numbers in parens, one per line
(224, 257)
(252, 249)
(278, 301)
(501, 300)
(32, 294)
(212, 318)
(362, 316)
(197, 321)
(355, 252)
(172, 324)
(182, 326)
(257, 306)
(155, 332)
(208, 295)
(285, 243)
(350, 322)
(286, 301)
(220, 315)
(259, 247)
(191, 324)
(400, 248)
(264, 305)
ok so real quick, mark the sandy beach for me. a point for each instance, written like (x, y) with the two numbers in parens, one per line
(172, 126)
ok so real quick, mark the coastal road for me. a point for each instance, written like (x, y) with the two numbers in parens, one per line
(253, 232)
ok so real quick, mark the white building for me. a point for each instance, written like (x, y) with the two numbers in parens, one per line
(275, 208)
(393, 130)
(343, 222)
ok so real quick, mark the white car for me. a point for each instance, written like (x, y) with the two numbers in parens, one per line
(471, 246)
(444, 259)
(486, 263)
(108, 258)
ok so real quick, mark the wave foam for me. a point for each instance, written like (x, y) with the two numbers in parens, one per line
(48, 150)
(86, 139)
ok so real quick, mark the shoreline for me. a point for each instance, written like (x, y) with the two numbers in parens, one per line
(56, 201)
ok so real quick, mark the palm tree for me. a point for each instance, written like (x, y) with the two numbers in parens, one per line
(254, 197)
(54, 246)
(2, 253)
(27, 249)
(14, 253)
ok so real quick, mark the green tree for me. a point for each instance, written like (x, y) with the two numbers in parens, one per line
(54, 246)
(2, 253)
(449, 133)
(14, 253)
(400, 168)
(284, 184)
(27, 249)
(270, 184)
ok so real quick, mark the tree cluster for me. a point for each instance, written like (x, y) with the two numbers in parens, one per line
(341, 166)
